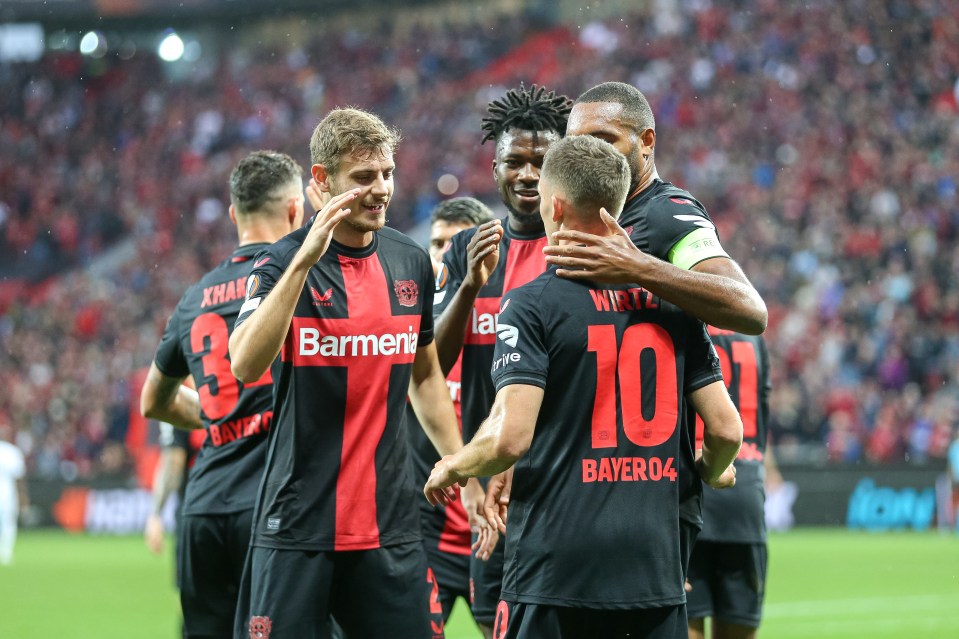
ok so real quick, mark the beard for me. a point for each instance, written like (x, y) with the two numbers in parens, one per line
(365, 225)
(524, 218)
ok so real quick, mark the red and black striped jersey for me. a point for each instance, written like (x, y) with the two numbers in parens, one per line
(595, 503)
(336, 473)
(237, 416)
(736, 515)
(521, 259)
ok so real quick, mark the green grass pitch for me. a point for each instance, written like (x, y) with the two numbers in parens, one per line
(830, 584)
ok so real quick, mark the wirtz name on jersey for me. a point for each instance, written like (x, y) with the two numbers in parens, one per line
(632, 299)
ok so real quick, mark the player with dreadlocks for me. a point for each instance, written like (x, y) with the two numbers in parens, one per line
(483, 264)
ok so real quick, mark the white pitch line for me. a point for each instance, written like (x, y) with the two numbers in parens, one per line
(863, 605)
(893, 626)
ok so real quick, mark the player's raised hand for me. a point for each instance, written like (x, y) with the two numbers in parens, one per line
(439, 488)
(497, 499)
(611, 259)
(482, 253)
(321, 233)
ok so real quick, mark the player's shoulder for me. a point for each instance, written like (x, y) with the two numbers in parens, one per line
(670, 200)
(391, 236)
(282, 251)
(538, 290)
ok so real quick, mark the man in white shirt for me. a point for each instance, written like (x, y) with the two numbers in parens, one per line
(12, 470)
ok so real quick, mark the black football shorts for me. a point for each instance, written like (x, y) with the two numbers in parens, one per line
(729, 581)
(294, 594)
(534, 621)
(211, 550)
(486, 583)
(452, 572)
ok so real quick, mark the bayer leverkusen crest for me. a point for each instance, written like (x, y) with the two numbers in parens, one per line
(260, 627)
(407, 292)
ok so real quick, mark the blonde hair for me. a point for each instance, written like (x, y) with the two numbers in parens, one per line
(350, 130)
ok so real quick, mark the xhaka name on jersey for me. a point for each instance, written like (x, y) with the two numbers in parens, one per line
(225, 292)
(615, 469)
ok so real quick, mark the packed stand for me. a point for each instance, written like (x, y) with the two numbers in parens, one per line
(825, 154)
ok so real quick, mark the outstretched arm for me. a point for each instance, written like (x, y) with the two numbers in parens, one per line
(502, 439)
(715, 290)
(430, 397)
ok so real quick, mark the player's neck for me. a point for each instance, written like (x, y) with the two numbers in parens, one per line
(645, 182)
(260, 232)
(592, 227)
(351, 237)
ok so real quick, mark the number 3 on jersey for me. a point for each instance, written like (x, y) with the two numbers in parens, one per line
(217, 401)
(644, 346)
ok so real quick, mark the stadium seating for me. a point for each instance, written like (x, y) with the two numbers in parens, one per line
(827, 158)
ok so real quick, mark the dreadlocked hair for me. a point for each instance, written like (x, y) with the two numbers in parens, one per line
(535, 109)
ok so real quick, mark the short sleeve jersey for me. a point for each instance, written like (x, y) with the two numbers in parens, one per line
(594, 508)
(521, 259)
(336, 473)
(668, 223)
(446, 526)
(236, 416)
(736, 515)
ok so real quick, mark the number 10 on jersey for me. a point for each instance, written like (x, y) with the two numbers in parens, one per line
(645, 348)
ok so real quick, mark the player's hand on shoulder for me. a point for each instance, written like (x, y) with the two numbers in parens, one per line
(439, 488)
(482, 253)
(321, 233)
(611, 259)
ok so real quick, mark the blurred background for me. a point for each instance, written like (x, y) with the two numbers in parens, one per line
(823, 138)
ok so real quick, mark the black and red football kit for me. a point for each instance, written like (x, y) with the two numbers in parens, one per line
(521, 259)
(615, 364)
(214, 529)
(728, 565)
(336, 498)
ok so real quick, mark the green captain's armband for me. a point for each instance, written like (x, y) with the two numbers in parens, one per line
(699, 245)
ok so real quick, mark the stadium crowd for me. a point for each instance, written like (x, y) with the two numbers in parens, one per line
(823, 138)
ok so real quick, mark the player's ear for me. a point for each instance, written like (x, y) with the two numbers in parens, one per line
(295, 212)
(559, 208)
(648, 141)
(233, 214)
(322, 177)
